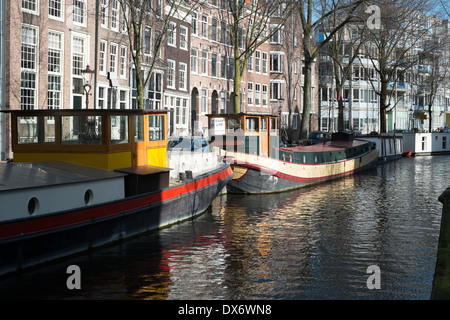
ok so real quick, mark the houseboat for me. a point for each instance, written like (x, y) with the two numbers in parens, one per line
(85, 178)
(251, 144)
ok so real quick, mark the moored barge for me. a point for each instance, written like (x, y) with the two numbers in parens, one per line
(251, 144)
(84, 178)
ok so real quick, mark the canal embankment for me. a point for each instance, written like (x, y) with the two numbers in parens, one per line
(441, 280)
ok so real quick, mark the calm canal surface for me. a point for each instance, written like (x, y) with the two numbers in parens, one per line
(313, 243)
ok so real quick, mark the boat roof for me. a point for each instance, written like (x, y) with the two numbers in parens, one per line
(323, 147)
(24, 175)
(63, 112)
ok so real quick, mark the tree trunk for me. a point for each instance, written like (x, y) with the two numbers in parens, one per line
(306, 114)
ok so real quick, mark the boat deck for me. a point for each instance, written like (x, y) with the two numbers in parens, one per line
(323, 147)
(15, 176)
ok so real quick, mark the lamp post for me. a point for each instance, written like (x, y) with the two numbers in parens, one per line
(87, 75)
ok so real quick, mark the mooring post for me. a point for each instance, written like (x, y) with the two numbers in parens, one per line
(441, 279)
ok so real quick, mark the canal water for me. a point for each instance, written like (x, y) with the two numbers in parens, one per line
(313, 243)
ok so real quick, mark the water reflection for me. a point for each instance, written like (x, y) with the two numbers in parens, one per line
(313, 243)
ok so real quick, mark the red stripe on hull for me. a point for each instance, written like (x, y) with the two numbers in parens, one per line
(68, 218)
(278, 174)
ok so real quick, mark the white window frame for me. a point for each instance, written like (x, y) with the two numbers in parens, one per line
(265, 62)
(123, 62)
(113, 58)
(102, 57)
(204, 100)
(172, 34)
(182, 76)
(115, 15)
(171, 76)
(184, 38)
(265, 96)
(257, 94)
(61, 10)
(194, 60)
(279, 90)
(104, 6)
(84, 13)
(279, 56)
(36, 3)
(250, 93)
(258, 61)
(31, 71)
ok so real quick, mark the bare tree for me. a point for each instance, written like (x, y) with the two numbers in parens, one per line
(435, 57)
(396, 41)
(157, 14)
(344, 8)
(248, 22)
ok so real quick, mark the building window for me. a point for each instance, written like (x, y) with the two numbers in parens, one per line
(194, 60)
(115, 15)
(101, 98)
(170, 74)
(79, 11)
(55, 52)
(55, 9)
(204, 26)
(113, 58)
(55, 55)
(104, 13)
(223, 32)
(276, 37)
(276, 91)
(204, 100)
(182, 74)
(28, 64)
(157, 49)
(29, 48)
(183, 38)
(250, 63)
(54, 92)
(154, 94)
(214, 29)
(264, 62)
(27, 90)
(172, 34)
(276, 62)
(102, 57)
(148, 40)
(214, 65)
(223, 66)
(194, 23)
(264, 95)
(223, 101)
(204, 62)
(30, 6)
(123, 99)
(258, 61)
(250, 93)
(123, 62)
(295, 121)
(257, 94)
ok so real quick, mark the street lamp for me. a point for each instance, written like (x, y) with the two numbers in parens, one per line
(87, 75)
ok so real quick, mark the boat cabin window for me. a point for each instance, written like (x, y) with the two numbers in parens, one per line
(263, 124)
(139, 128)
(81, 130)
(273, 125)
(35, 130)
(156, 127)
(252, 124)
(119, 129)
(234, 124)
